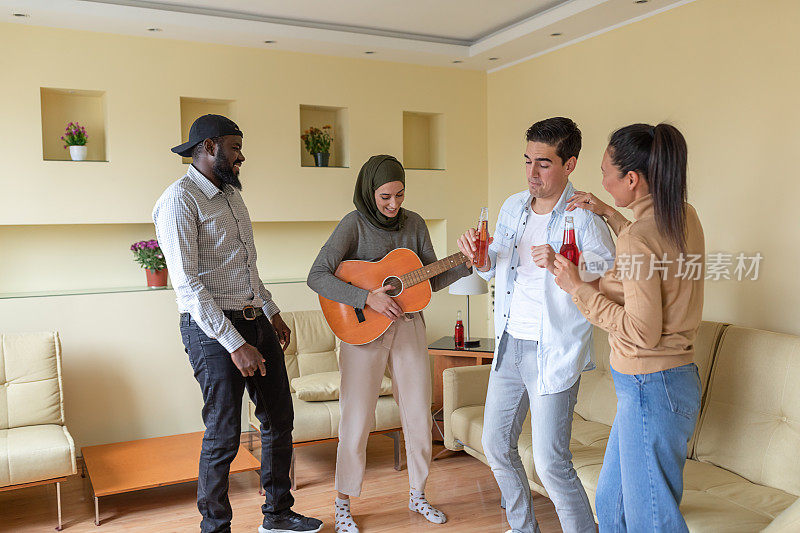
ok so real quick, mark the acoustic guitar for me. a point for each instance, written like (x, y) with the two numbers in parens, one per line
(400, 268)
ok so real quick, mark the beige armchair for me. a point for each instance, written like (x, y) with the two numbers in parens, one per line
(314, 350)
(35, 446)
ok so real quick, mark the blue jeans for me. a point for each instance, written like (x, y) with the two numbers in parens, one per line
(512, 391)
(223, 386)
(641, 482)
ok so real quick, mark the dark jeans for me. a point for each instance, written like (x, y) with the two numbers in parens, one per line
(223, 387)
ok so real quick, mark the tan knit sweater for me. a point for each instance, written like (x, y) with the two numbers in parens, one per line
(652, 323)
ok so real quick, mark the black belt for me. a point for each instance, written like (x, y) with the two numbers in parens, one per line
(248, 313)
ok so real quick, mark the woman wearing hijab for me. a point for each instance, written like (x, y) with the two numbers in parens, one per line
(378, 226)
(652, 315)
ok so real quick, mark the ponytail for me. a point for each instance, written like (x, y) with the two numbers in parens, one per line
(659, 155)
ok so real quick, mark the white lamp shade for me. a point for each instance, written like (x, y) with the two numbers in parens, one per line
(469, 286)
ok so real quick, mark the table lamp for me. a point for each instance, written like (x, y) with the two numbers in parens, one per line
(469, 286)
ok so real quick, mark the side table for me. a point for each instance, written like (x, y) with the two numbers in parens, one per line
(445, 355)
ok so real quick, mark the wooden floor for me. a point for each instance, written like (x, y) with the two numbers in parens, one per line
(460, 485)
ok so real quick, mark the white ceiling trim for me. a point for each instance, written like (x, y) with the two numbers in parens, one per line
(115, 16)
(590, 35)
(221, 13)
(534, 23)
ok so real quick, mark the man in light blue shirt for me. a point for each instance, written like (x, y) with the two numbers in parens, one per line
(543, 343)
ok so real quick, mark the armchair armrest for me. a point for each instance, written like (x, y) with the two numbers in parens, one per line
(462, 387)
(786, 522)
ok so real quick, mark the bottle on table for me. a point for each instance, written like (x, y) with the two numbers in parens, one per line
(482, 254)
(569, 249)
(459, 332)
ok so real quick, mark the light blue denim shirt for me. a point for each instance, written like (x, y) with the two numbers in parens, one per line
(565, 339)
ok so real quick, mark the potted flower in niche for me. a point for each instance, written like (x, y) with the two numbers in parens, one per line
(318, 144)
(149, 255)
(75, 138)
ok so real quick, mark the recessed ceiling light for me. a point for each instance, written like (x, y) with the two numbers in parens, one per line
(457, 61)
(369, 52)
(493, 58)
(269, 42)
(20, 15)
(556, 34)
(154, 29)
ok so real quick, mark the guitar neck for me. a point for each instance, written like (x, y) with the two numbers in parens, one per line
(434, 269)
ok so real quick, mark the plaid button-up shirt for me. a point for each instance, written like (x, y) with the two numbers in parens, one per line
(207, 239)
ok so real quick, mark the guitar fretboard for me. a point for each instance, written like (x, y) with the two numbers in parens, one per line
(434, 269)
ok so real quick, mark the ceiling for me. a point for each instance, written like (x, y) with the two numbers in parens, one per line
(473, 34)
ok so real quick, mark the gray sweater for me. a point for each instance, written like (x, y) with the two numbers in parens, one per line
(355, 238)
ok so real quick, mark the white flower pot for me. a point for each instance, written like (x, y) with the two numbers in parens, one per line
(78, 153)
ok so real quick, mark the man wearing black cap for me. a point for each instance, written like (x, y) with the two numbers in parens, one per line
(230, 326)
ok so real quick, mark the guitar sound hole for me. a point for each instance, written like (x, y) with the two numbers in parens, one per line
(397, 285)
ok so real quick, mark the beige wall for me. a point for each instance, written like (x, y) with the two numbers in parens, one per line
(723, 71)
(66, 225)
(144, 79)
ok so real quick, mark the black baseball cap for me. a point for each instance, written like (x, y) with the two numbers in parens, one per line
(207, 127)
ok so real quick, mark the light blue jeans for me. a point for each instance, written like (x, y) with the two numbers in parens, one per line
(641, 482)
(512, 390)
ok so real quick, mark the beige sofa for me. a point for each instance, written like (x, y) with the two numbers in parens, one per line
(744, 467)
(35, 446)
(314, 349)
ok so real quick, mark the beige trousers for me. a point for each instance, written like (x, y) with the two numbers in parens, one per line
(403, 346)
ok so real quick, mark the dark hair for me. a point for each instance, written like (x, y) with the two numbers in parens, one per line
(658, 154)
(198, 148)
(560, 132)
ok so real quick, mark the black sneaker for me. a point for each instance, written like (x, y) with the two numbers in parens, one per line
(288, 522)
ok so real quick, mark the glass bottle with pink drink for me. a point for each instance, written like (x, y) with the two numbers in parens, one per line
(569, 249)
(482, 254)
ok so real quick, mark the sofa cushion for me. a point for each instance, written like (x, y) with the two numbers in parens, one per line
(317, 362)
(312, 420)
(714, 500)
(786, 522)
(597, 400)
(750, 424)
(30, 380)
(312, 332)
(35, 453)
(324, 386)
(467, 424)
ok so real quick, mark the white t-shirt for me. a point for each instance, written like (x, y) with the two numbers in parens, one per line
(525, 314)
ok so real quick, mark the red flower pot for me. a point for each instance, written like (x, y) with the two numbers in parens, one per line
(156, 278)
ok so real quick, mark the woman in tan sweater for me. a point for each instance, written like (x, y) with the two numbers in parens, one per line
(650, 303)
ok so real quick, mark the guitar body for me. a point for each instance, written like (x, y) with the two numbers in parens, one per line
(365, 325)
